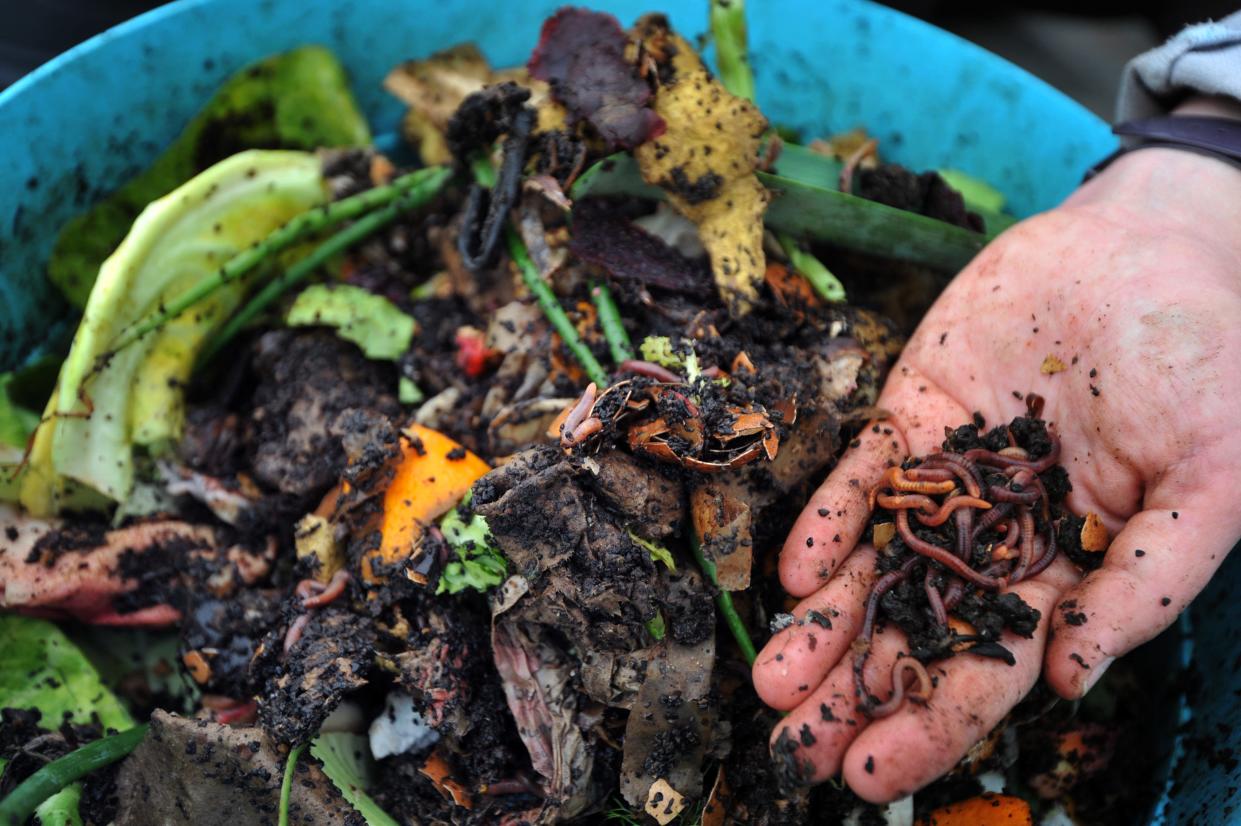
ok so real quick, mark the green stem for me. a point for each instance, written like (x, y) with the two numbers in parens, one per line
(610, 321)
(286, 787)
(423, 184)
(47, 781)
(812, 269)
(484, 174)
(724, 601)
(348, 237)
(551, 308)
(729, 33)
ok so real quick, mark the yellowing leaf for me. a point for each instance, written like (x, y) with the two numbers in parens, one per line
(706, 162)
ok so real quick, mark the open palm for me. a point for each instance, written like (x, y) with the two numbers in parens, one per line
(1134, 285)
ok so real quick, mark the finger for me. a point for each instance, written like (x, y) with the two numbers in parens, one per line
(795, 660)
(900, 754)
(830, 525)
(1153, 569)
(810, 742)
(836, 515)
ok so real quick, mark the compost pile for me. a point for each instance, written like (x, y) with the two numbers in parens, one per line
(490, 517)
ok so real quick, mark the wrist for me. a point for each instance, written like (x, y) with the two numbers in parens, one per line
(1196, 194)
(1212, 106)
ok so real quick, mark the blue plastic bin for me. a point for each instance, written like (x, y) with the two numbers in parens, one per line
(80, 125)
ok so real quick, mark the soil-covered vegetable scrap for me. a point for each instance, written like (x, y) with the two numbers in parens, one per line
(480, 525)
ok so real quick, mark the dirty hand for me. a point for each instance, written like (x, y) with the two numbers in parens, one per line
(1135, 285)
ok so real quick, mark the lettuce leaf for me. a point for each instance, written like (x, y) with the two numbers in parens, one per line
(347, 762)
(295, 100)
(43, 670)
(370, 321)
(106, 402)
(479, 564)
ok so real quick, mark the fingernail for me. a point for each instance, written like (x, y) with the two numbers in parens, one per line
(1096, 672)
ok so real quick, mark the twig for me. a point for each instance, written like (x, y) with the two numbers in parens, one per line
(427, 180)
(610, 321)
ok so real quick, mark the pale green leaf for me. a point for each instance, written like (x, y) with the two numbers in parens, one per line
(370, 321)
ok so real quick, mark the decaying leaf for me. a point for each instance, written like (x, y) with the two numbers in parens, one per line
(723, 522)
(1094, 534)
(1051, 365)
(581, 53)
(882, 534)
(669, 728)
(664, 803)
(706, 161)
(435, 87)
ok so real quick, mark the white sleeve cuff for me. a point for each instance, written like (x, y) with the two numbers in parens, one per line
(1204, 58)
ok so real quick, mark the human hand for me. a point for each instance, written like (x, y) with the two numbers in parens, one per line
(1135, 284)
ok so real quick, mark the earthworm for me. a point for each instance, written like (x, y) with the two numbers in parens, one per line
(295, 631)
(922, 694)
(941, 515)
(894, 478)
(910, 500)
(992, 459)
(649, 369)
(1027, 546)
(1048, 554)
(953, 594)
(335, 587)
(991, 518)
(965, 469)
(1003, 494)
(861, 646)
(965, 533)
(930, 474)
(943, 556)
(515, 785)
(241, 713)
(577, 414)
(586, 429)
(934, 598)
(1014, 452)
(851, 163)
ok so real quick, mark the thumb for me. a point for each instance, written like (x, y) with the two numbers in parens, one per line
(1153, 569)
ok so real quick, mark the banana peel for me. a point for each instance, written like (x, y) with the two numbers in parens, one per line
(706, 161)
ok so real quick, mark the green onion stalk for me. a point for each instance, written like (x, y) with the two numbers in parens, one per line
(724, 601)
(286, 786)
(610, 321)
(348, 237)
(419, 186)
(47, 781)
(728, 30)
(485, 175)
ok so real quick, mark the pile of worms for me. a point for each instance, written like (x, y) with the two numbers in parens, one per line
(955, 529)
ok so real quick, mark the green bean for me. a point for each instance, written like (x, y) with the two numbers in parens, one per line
(47, 781)
(828, 286)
